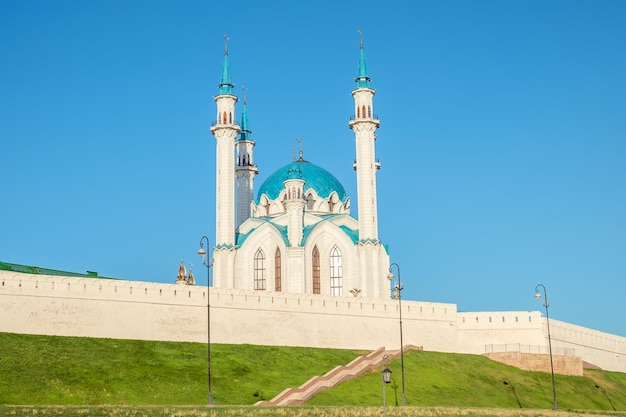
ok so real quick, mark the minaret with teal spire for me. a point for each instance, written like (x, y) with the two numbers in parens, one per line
(226, 86)
(245, 168)
(362, 80)
(225, 130)
(364, 124)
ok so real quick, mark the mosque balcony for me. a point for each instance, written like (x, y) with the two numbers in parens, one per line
(376, 164)
(216, 124)
(353, 118)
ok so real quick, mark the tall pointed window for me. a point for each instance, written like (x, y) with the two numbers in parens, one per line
(363, 111)
(336, 272)
(259, 270)
(277, 271)
(224, 117)
(316, 271)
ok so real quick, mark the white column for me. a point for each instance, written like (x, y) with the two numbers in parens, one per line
(364, 126)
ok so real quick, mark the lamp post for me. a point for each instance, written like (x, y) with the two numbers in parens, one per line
(546, 304)
(512, 388)
(601, 390)
(208, 264)
(386, 380)
(396, 292)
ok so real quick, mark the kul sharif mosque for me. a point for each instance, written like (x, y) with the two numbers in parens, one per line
(296, 235)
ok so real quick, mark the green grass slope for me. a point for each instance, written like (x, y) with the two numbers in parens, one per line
(76, 371)
(448, 379)
(80, 370)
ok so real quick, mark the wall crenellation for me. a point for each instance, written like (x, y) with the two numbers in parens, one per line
(133, 291)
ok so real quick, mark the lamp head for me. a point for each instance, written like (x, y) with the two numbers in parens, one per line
(387, 375)
(537, 296)
(202, 253)
(390, 277)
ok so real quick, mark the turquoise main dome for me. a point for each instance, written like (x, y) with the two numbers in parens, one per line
(315, 177)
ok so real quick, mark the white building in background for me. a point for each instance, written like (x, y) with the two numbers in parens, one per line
(291, 267)
(297, 235)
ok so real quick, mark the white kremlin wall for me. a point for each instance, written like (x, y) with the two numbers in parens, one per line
(96, 307)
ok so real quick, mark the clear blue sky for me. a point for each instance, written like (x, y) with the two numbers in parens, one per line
(502, 138)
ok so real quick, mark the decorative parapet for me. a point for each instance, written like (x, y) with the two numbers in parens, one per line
(499, 319)
(226, 246)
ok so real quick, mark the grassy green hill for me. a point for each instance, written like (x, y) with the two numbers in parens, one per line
(76, 371)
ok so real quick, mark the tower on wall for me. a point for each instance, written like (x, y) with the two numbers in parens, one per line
(225, 130)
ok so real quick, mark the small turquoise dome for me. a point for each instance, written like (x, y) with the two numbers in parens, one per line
(315, 177)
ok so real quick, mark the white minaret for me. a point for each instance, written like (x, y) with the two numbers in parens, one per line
(245, 169)
(364, 124)
(294, 206)
(294, 203)
(225, 131)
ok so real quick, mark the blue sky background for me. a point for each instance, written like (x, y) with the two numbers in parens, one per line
(502, 138)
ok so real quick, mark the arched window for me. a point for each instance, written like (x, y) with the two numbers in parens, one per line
(363, 111)
(358, 112)
(310, 202)
(224, 117)
(259, 270)
(277, 271)
(219, 118)
(336, 272)
(316, 271)
(230, 118)
(369, 111)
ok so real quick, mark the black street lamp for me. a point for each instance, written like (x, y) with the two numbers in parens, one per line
(208, 264)
(546, 304)
(386, 380)
(396, 292)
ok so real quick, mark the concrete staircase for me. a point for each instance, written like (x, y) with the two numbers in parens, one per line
(359, 366)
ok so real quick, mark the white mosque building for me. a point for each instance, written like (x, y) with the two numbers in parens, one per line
(297, 235)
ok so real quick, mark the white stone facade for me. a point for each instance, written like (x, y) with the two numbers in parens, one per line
(66, 306)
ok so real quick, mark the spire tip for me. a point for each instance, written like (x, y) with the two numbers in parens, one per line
(300, 143)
